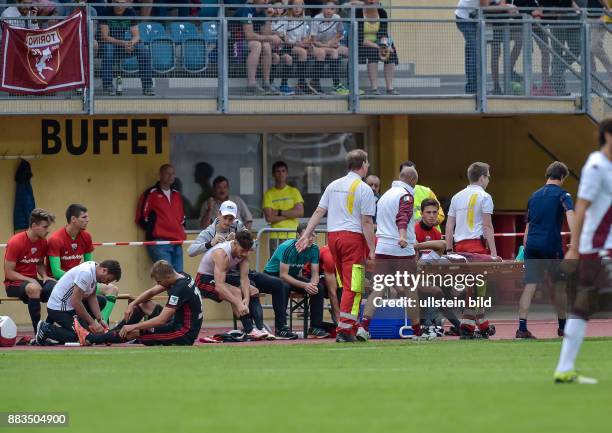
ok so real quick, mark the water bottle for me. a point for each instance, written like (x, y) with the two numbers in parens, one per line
(119, 85)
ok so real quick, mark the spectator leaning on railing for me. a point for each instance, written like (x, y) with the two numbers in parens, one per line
(327, 32)
(116, 48)
(375, 45)
(22, 10)
(259, 47)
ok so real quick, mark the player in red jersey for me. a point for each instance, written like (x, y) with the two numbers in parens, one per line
(25, 276)
(71, 245)
(425, 229)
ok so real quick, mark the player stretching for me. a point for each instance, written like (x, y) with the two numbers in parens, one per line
(178, 323)
(591, 243)
(470, 225)
(349, 204)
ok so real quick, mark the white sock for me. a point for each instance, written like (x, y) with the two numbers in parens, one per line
(574, 334)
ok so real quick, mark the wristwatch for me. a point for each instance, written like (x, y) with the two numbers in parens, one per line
(279, 212)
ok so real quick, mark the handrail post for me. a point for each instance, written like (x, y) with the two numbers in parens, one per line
(353, 64)
(481, 56)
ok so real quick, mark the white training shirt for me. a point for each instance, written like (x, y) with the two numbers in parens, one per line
(296, 31)
(596, 187)
(346, 200)
(83, 276)
(465, 13)
(279, 27)
(325, 30)
(467, 206)
(207, 264)
(13, 12)
(387, 212)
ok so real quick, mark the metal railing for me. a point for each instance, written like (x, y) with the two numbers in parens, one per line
(213, 58)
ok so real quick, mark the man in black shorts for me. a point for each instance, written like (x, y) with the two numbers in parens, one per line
(178, 323)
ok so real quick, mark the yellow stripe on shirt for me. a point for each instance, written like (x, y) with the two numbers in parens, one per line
(470, 212)
(350, 199)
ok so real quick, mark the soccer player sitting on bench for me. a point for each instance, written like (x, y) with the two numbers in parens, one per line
(217, 283)
(178, 323)
(74, 300)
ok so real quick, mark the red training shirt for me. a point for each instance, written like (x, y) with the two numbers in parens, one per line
(26, 254)
(70, 251)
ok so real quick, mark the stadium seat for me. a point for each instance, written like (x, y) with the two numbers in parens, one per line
(194, 58)
(149, 30)
(129, 65)
(210, 31)
(182, 31)
(162, 55)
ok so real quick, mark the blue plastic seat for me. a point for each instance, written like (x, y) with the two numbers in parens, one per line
(210, 31)
(149, 30)
(194, 55)
(184, 30)
(162, 55)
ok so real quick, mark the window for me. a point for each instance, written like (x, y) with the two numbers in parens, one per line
(199, 158)
(314, 160)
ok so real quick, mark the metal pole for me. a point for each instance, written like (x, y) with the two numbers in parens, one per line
(221, 60)
(353, 64)
(586, 63)
(88, 94)
(481, 56)
(527, 55)
(224, 77)
(506, 58)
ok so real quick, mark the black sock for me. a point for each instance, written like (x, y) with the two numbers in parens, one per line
(522, 325)
(34, 309)
(108, 337)
(561, 324)
(456, 323)
(256, 311)
(247, 323)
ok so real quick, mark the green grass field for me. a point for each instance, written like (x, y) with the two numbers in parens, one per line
(447, 386)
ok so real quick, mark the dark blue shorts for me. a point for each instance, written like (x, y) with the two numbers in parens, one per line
(539, 263)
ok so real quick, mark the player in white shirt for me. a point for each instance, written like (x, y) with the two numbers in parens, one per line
(349, 205)
(327, 32)
(470, 227)
(591, 243)
(75, 295)
(281, 59)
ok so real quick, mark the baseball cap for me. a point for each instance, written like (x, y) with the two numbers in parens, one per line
(228, 207)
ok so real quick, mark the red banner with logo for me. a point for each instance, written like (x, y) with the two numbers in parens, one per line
(46, 60)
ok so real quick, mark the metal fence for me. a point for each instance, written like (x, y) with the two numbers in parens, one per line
(211, 58)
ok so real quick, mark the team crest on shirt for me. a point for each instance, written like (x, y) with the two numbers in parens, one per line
(173, 300)
(74, 247)
(33, 250)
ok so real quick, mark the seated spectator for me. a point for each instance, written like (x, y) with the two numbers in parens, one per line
(259, 47)
(221, 193)
(376, 46)
(327, 32)
(115, 48)
(297, 44)
(280, 58)
(22, 10)
(282, 204)
(288, 264)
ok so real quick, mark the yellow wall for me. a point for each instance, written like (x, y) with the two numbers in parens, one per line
(107, 184)
(443, 148)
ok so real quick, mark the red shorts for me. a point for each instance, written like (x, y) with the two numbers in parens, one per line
(471, 246)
